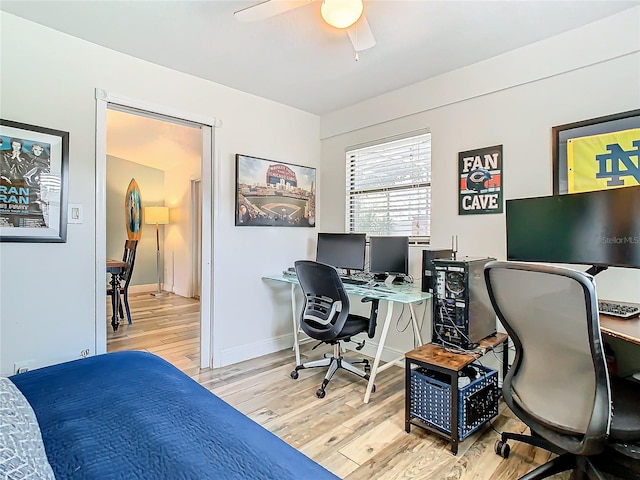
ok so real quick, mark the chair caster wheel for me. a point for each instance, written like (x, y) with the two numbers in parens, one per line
(320, 393)
(502, 449)
(294, 374)
(373, 389)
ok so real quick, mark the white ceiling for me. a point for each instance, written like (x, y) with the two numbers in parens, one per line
(155, 143)
(296, 59)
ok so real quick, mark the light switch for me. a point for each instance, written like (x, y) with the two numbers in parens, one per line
(74, 213)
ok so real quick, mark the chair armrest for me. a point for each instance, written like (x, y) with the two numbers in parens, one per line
(373, 316)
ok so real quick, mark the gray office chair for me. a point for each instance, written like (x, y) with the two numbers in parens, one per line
(325, 317)
(558, 384)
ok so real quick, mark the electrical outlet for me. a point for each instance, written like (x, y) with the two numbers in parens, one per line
(21, 367)
(84, 353)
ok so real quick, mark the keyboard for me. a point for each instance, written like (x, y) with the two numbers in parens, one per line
(617, 309)
(353, 281)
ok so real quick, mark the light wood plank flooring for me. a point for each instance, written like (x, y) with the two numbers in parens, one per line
(356, 441)
(167, 326)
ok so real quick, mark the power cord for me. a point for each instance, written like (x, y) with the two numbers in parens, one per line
(421, 324)
(445, 314)
(398, 329)
(490, 422)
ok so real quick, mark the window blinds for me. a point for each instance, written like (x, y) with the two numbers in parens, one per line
(389, 188)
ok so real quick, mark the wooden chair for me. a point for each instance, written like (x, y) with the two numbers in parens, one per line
(129, 258)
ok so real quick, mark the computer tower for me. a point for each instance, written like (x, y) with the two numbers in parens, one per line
(428, 268)
(463, 314)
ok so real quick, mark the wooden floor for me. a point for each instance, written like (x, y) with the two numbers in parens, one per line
(167, 326)
(356, 441)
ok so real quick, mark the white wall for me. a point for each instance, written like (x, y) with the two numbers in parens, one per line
(151, 183)
(178, 238)
(512, 100)
(48, 290)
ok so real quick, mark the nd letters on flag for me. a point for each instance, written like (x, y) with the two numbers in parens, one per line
(607, 160)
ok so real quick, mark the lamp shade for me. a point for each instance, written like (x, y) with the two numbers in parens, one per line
(341, 13)
(159, 215)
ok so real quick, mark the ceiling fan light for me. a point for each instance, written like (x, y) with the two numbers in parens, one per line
(341, 13)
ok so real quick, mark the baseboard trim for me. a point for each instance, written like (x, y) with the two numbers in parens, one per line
(151, 287)
(370, 348)
(229, 356)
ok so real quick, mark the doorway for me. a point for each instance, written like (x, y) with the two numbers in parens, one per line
(173, 278)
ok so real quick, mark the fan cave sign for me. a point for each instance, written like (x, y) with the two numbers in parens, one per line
(480, 181)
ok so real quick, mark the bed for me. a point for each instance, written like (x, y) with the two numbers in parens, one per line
(132, 415)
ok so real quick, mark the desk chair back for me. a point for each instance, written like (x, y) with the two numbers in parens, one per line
(326, 307)
(325, 317)
(558, 384)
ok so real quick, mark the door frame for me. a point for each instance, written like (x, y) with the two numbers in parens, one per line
(209, 171)
(196, 237)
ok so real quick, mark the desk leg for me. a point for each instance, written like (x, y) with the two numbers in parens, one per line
(115, 300)
(294, 311)
(376, 361)
(416, 327)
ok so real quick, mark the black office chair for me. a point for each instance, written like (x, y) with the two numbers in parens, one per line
(128, 257)
(559, 385)
(325, 317)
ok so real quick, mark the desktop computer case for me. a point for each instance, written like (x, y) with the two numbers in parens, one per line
(460, 296)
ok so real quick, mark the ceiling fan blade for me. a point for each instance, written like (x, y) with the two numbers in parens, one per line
(361, 35)
(267, 9)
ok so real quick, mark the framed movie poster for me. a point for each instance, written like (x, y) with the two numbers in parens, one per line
(274, 194)
(480, 181)
(598, 153)
(34, 163)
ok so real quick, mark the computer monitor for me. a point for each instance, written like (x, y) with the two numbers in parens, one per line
(342, 250)
(389, 255)
(600, 228)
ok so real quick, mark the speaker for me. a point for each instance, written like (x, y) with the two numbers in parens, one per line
(428, 267)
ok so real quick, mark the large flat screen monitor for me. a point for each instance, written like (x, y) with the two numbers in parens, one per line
(342, 250)
(389, 255)
(600, 228)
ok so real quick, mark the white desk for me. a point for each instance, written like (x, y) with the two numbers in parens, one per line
(396, 294)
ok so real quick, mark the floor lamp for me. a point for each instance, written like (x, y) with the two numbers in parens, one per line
(157, 216)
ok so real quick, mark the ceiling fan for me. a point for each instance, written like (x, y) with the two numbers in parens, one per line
(342, 14)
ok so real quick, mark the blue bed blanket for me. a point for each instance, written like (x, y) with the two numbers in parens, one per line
(132, 415)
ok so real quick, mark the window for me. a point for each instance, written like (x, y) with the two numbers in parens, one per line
(389, 187)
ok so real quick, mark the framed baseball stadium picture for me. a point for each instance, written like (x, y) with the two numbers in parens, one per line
(274, 194)
(596, 154)
(34, 164)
